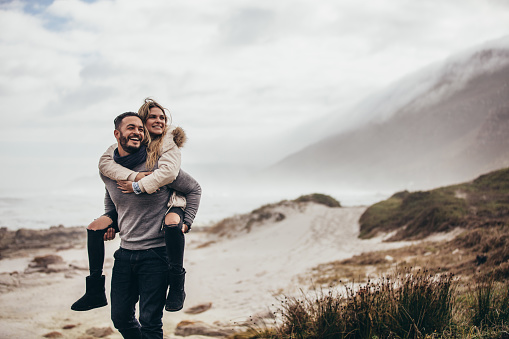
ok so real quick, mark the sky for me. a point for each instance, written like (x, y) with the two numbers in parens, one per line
(238, 76)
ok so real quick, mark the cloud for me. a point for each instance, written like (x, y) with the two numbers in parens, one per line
(246, 26)
(235, 75)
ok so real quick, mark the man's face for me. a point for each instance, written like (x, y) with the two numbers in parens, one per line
(131, 134)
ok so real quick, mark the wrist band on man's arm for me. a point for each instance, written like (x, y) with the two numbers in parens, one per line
(136, 188)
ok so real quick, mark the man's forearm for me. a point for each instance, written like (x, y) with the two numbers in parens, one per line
(188, 186)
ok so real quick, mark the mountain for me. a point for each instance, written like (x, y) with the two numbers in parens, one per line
(447, 124)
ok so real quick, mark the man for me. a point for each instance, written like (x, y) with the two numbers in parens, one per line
(141, 264)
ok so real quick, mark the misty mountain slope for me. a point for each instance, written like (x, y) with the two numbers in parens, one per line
(455, 131)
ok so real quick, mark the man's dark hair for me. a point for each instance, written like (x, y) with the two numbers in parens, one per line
(118, 120)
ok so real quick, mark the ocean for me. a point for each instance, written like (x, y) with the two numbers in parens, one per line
(79, 208)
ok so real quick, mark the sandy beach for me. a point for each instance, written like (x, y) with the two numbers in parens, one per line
(238, 276)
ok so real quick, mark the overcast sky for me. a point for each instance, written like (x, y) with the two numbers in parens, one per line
(235, 75)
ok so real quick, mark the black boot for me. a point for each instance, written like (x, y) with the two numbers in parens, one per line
(176, 295)
(94, 297)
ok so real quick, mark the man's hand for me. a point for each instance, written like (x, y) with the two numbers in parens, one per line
(184, 228)
(125, 186)
(141, 175)
(109, 234)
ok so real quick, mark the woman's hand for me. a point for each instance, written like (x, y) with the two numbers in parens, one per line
(125, 186)
(141, 175)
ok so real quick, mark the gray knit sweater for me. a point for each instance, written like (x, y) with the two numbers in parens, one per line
(139, 216)
(187, 185)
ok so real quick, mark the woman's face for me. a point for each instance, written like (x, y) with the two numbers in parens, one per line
(156, 121)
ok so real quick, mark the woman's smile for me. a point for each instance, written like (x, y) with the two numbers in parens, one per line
(156, 121)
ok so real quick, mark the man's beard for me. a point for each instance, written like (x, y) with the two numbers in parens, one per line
(125, 147)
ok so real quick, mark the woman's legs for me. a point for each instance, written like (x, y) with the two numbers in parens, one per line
(95, 245)
(95, 295)
(175, 243)
(175, 240)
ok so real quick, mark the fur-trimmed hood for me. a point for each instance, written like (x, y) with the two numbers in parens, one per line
(179, 136)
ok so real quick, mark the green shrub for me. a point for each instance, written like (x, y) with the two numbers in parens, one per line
(418, 214)
(318, 198)
(414, 215)
(380, 217)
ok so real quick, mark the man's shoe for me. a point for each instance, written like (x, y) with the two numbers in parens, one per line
(176, 295)
(95, 295)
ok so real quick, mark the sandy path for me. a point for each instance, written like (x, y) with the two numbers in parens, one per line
(241, 276)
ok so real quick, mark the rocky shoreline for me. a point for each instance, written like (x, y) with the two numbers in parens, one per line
(27, 256)
(14, 243)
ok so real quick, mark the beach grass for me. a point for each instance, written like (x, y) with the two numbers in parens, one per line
(407, 304)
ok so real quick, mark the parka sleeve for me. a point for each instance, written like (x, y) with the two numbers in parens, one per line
(168, 167)
(111, 169)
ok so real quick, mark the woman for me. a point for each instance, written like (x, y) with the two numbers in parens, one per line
(161, 147)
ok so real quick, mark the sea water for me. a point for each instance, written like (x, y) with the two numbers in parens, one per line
(79, 208)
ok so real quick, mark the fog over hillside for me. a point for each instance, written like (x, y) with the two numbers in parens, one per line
(444, 124)
(425, 86)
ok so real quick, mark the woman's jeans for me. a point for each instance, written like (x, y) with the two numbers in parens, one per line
(139, 275)
(175, 242)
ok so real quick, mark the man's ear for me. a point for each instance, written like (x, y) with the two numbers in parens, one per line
(116, 133)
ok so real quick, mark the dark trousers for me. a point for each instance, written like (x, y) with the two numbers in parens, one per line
(173, 237)
(175, 242)
(139, 275)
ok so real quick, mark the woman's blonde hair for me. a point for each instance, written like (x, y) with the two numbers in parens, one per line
(153, 143)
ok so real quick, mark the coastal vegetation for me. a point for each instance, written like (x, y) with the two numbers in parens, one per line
(482, 203)
(408, 304)
(318, 198)
(457, 287)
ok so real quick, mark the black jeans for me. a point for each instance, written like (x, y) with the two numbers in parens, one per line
(173, 237)
(139, 275)
(175, 242)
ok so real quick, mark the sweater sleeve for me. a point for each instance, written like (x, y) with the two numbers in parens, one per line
(168, 167)
(188, 186)
(111, 169)
(108, 203)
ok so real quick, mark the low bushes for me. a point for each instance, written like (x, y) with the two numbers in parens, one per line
(318, 198)
(406, 305)
(416, 215)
